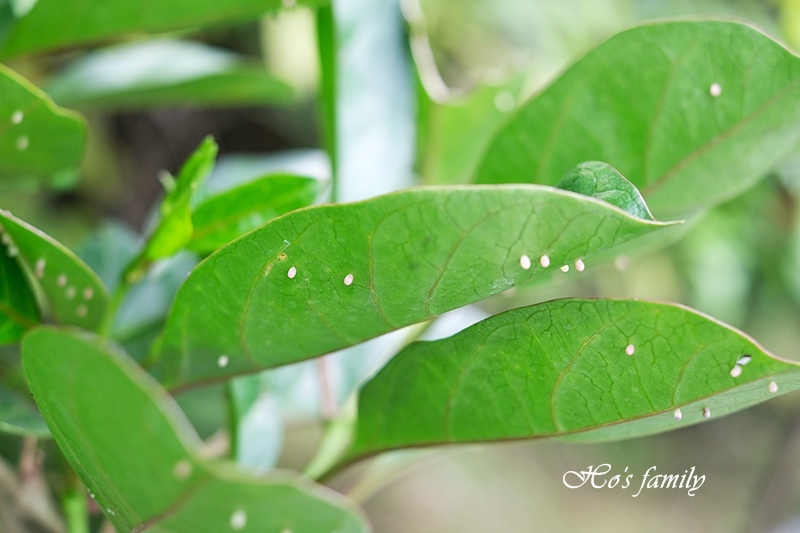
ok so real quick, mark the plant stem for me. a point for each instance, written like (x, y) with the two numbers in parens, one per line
(76, 510)
(327, 46)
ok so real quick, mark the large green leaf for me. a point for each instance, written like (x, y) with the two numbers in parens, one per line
(55, 23)
(228, 215)
(324, 278)
(36, 137)
(73, 292)
(18, 310)
(141, 461)
(165, 73)
(691, 112)
(581, 369)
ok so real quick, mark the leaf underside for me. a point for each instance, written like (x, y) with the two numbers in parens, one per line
(586, 370)
(37, 138)
(324, 278)
(140, 459)
(74, 293)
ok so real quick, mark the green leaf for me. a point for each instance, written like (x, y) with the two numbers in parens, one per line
(457, 132)
(228, 215)
(37, 138)
(18, 416)
(644, 102)
(55, 23)
(18, 310)
(97, 402)
(324, 278)
(74, 293)
(604, 182)
(165, 73)
(563, 369)
(174, 230)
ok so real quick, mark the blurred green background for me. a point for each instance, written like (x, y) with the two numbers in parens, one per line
(422, 85)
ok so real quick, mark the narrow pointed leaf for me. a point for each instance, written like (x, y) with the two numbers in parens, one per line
(324, 278)
(54, 23)
(228, 215)
(18, 310)
(581, 369)
(74, 293)
(165, 73)
(692, 113)
(138, 456)
(174, 230)
(37, 138)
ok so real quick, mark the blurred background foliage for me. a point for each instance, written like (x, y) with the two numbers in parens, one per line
(421, 87)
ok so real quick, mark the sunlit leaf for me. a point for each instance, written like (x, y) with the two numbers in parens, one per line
(692, 113)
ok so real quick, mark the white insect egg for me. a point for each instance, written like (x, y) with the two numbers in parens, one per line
(289, 3)
(88, 293)
(525, 262)
(678, 414)
(348, 279)
(773, 387)
(622, 263)
(565, 268)
(222, 361)
(238, 520)
(630, 349)
(23, 142)
(182, 469)
(110, 511)
(81, 310)
(70, 292)
(17, 116)
(579, 266)
(544, 261)
(504, 101)
(61, 280)
(292, 273)
(39, 268)
(13, 251)
(706, 412)
(715, 90)
(743, 360)
(736, 371)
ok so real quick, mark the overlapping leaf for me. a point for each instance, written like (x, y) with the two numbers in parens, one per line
(37, 138)
(54, 23)
(74, 294)
(18, 310)
(228, 215)
(691, 112)
(323, 278)
(139, 458)
(165, 73)
(580, 369)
